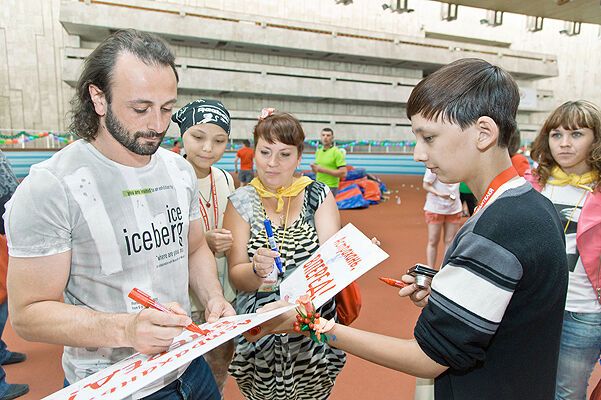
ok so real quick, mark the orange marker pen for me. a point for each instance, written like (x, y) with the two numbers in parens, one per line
(394, 282)
(142, 298)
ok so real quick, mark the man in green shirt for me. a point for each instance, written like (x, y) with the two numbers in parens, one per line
(330, 162)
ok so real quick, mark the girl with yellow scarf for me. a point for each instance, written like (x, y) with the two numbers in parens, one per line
(568, 152)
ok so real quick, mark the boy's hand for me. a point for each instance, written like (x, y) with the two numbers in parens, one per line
(219, 240)
(417, 295)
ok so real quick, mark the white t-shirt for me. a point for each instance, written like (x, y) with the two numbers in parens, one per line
(436, 204)
(224, 185)
(125, 227)
(568, 201)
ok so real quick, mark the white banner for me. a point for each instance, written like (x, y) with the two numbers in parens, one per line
(339, 261)
(130, 375)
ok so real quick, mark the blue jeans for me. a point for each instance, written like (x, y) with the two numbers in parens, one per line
(4, 354)
(197, 383)
(579, 351)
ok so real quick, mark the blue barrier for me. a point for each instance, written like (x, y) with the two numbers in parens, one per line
(399, 164)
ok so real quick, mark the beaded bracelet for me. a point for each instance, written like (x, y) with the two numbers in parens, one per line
(255, 270)
(308, 320)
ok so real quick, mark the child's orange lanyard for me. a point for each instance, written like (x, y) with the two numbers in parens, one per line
(496, 183)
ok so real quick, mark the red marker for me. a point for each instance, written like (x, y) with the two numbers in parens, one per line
(394, 282)
(140, 297)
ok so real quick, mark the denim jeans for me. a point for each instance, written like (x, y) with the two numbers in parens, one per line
(197, 383)
(4, 354)
(579, 351)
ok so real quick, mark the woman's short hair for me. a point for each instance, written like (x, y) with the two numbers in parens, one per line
(570, 115)
(281, 127)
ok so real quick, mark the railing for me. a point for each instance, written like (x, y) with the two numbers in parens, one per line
(400, 164)
(22, 139)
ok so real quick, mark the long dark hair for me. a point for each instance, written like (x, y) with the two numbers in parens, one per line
(98, 70)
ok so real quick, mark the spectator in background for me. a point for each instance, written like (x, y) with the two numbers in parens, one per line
(519, 161)
(245, 155)
(442, 211)
(330, 162)
(568, 152)
(8, 185)
(468, 200)
(176, 148)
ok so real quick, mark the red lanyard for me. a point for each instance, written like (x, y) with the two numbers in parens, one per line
(203, 211)
(496, 183)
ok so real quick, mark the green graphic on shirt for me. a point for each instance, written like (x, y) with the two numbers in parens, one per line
(137, 192)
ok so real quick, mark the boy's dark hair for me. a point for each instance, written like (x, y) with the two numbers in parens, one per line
(246, 142)
(98, 70)
(514, 143)
(465, 90)
(328, 130)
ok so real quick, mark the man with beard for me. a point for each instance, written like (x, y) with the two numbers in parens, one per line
(109, 213)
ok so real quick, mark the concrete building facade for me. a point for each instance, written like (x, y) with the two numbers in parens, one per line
(348, 67)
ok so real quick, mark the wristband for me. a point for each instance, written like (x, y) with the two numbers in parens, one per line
(255, 270)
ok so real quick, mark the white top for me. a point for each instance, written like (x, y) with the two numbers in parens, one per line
(568, 201)
(125, 227)
(437, 204)
(224, 184)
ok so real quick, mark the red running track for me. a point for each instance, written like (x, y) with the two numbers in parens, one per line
(402, 231)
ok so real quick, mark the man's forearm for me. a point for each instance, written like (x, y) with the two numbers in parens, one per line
(68, 325)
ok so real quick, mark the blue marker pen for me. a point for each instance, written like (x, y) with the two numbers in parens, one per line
(273, 244)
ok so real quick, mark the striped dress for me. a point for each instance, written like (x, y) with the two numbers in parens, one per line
(290, 367)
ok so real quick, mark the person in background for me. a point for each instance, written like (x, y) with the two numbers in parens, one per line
(568, 153)
(205, 128)
(176, 148)
(442, 212)
(245, 155)
(468, 200)
(304, 215)
(8, 185)
(519, 161)
(77, 226)
(330, 163)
